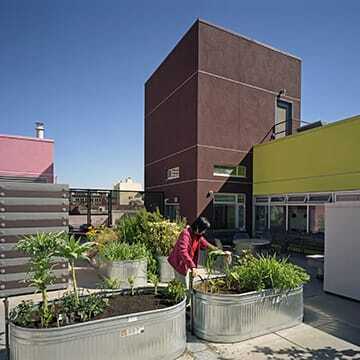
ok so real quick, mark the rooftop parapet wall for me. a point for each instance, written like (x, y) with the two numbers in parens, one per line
(26, 157)
(322, 159)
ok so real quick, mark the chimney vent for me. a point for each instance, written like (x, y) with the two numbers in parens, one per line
(39, 130)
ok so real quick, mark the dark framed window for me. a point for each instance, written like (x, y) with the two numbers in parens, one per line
(234, 171)
(229, 211)
(261, 218)
(283, 119)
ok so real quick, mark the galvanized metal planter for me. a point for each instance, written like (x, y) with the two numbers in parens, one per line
(231, 318)
(158, 334)
(166, 270)
(122, 270)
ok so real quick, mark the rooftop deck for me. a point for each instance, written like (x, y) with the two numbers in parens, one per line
(331, 329)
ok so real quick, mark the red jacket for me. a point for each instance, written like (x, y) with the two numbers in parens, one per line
(183, 257)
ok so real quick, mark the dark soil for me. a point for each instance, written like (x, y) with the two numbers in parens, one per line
(128, 304)
(117, 304)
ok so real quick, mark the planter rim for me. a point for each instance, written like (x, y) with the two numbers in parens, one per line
(247, 294)
(122, 261)
(100, 321)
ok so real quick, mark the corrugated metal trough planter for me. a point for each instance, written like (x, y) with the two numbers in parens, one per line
(158, 334)
(237, 317)
(122, 270)
(166, 270)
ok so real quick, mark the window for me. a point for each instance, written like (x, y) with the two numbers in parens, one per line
(317, 219)
(172, 210)
(224, 216)
(261, 199)
(224, 198)
(283, 119)
(277, 199)
(296, 198)
(173, 173)
(319, 198)
(229, 211)
(235, 171)
(298, 218)
(348, 197)
(278, 218)
(261, 218)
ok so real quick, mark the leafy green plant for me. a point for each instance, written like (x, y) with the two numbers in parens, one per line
(267, 272)
(102, 236)
(72, 250)
(214, 285)
(82, 309)
(91, 306)
(41, 248)
(134, 228)
(152, 230)
(211, 259)
(69, 306)
(209, 284)
(154, 279)
(176, 291)
(23, 314)
(110, 283)
(163, 235)
(119, 251)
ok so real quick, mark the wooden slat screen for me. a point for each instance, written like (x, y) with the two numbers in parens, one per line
(29, 208)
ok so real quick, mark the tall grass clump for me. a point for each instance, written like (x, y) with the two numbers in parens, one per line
(121, 251)
(267, 272)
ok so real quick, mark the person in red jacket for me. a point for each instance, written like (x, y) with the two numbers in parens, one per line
(185, 254)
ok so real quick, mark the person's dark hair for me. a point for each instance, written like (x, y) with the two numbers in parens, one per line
(200, 224)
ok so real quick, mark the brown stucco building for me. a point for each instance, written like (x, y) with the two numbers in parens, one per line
(213, 97)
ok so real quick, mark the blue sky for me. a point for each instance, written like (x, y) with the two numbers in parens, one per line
(80, 66)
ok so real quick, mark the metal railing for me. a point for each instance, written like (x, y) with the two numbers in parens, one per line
(103, 207)
(272, 133)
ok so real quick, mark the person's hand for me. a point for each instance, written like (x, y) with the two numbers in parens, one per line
(228, 255)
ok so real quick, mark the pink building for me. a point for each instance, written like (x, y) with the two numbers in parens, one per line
(27, 157)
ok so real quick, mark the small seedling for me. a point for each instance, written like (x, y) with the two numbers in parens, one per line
(131, 281)
(211, 285)
(176, 291)
(110, 283)
(154, 279)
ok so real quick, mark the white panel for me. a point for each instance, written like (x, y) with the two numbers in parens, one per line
(342, 249)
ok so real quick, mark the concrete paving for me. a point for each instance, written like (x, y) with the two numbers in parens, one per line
(300, 342)
(331, 329)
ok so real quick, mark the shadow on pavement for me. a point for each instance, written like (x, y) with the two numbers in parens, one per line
(293, 353)
(332, 314)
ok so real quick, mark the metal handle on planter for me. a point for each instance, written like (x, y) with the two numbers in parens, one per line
(191, 287)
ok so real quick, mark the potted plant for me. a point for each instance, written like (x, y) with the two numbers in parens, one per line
(101, 325)
(257, 296)
(162, 236)
(156, 233)
(123, 261)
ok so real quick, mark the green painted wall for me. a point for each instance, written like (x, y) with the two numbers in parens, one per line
(322, 159)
